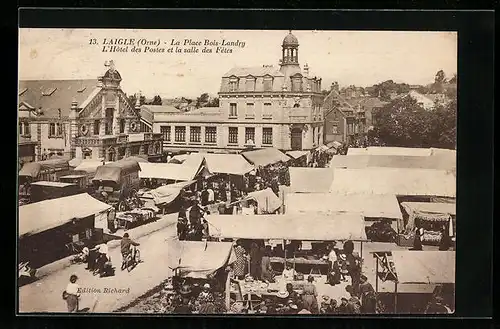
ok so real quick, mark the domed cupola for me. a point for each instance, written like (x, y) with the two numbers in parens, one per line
(290, 49)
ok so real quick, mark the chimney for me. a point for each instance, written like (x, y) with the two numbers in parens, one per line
(74, 105)
(306, 70)
(335, 86)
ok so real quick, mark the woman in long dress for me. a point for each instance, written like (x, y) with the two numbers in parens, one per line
(417, 241)
(241, 261)
(309, 296)
(267, 271)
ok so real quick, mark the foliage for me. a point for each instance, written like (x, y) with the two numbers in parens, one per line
(156, 100)
(213, 102)
(404, 123)
(384, 89)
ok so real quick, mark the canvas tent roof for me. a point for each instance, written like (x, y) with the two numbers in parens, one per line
(424, 266)
(397, 181)
(382, 150)
(32, 169)
(89, 166)
(296, 154)
(198, 259)
(374, 206)
(113, 171)
(267, 201)
(265, 156)
(167, 193)
(44, 215)
(317, 227)
(310, 180)
(172, 171)
(430, 207)
(393, 161)
(234, 164)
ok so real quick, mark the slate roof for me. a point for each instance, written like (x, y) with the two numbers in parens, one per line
(258, 71)
(52, 95)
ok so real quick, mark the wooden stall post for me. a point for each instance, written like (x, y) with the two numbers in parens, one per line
(284, 249)
(395, 297)
(376, 274)
(228, 291)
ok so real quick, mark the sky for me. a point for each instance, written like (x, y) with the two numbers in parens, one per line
(360, 58)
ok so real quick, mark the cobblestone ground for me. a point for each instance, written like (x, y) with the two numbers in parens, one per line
(44, 295)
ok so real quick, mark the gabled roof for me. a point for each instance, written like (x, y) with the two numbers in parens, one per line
(258, 71)
(59, 94)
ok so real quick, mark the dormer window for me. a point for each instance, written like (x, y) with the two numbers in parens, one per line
(48, 92)
(268, 83)
(82, 89)
(250, 83)
(233, 84)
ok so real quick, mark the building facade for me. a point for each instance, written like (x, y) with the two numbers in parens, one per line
(258, 107)
(84, 119)
(348, 118)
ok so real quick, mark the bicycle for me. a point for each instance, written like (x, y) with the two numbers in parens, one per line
(133, 258)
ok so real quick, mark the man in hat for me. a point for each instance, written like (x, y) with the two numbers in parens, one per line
(325, 304)
(343, 309)
(125, 246)
(72, 294)
(436, 306)
(183, 306)
(368, 296)
(353, 304)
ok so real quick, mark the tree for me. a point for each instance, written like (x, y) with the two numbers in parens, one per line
(405, 123)
(142, 100)
(440, 77)
(453, 79)
(156, 100)
(213, 102)
(132, 99)
(386, 88)
(202, 100)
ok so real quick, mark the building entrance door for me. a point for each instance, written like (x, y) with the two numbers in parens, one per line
(296, 141)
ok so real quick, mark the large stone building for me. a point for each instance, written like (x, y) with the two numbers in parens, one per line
(258, 107)
(84, 119)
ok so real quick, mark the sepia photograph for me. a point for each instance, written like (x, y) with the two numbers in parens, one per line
(223, 172)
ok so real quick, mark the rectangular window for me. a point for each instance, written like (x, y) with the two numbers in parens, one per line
(20, 128)
(27, 131)
(249, 135)
(250, 111)
(166, 131)
(335, 130)
(267, 111)
(233, 135)
(97, 127)
(233, 111)
(211, 134)
(108, 127)
(267, 136)
(250, 84)
(122, 126)
(180, 134)
(195, 134)
(134, 150)
(59, 129)
(52, 129)
(268, 84)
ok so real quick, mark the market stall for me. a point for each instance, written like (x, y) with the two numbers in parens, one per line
(373, 208)
(264, 157)
(396, 181)
(49, 229)
(310, 180)
(48, 170)
(266, 202)
(299, 158)
(414, 267)
(432, 217)
(164, 196)
(169, 172)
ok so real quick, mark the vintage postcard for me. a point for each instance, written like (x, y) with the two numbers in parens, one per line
(236, 171)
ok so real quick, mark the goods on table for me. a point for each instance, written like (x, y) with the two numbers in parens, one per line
(431, 237)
